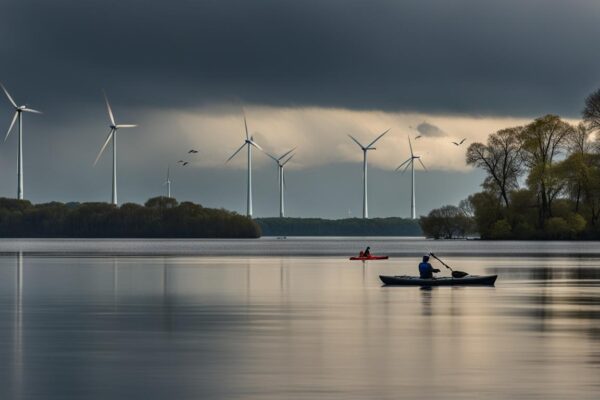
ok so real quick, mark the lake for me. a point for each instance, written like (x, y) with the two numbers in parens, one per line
(294, 319)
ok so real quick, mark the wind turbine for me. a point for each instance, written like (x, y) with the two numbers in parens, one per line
(411, 162)
(281, 179)
(168, 182)
(249, 142)
(19, 110)
(365, 149)
(112, 134)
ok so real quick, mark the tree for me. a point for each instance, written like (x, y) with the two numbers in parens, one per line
(542, 141)
(500, 159)
(446, 222)
(591, 111)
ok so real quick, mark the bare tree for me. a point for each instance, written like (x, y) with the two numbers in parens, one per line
(591, 112)
(500, 158)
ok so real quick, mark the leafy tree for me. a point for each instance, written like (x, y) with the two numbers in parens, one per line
(542, 142)
(447, 222)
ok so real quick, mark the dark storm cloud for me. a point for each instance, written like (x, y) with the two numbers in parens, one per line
(466, 56)
(430, 130)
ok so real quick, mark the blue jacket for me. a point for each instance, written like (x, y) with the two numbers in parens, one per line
(425, 270)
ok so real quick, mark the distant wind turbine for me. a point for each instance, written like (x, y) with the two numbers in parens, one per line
(411, 163)
(281, 178)
(249, 142)
(19, 110)
(365, 149)
(168, 182)
(112, 134)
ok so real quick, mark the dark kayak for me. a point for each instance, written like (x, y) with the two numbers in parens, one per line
(443, 281)
(363, 258)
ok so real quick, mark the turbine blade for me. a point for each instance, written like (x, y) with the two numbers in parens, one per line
(245, 124)
(126, 126)
(110, 134)
(356, 141)
(283, 179)
(401, 165)
(237, 151)
(271, 156)
(423, 165)
(410, 145)
(8, 95)
(288, 160)
(110, 113)
(288, 152)
(407, 165)
(11, 125)
(378, 137)
(31, 110)
(253, 143)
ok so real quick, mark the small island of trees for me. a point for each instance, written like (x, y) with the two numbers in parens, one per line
(542, 182)
(159, 217)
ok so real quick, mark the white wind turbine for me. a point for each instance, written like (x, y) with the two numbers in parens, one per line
(19, 110)
(168, 182)
(249, 142)
(281, 178)
(365, 149)
(112, 134)
(411, 162)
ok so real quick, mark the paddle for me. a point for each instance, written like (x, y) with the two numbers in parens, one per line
(455, 274)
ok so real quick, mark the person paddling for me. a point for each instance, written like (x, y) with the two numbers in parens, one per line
(426, 271)
(367, 252)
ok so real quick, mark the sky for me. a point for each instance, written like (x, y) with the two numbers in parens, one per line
(307, 74)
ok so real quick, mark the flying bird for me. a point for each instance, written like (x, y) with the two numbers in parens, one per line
(192, 151)
(459, 143)
(418, 137)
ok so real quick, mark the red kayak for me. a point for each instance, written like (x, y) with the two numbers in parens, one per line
(362, 258)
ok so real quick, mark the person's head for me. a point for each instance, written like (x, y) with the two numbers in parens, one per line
(426, 258)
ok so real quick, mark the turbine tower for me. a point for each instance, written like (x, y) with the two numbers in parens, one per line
(365, 149)
(281, 178)
(112, 134)
(249, 142)
(411, 163)
(19, 110)
(168, 182)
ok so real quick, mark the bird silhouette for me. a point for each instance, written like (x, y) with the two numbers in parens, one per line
(192, 151)
(185, 163)
(459, 143)
(418, 137)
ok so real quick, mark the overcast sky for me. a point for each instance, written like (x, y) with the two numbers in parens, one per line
(307, 72)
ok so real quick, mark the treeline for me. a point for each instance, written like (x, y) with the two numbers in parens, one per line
(542, 179)
(159, 217)
(449, 222)
(339, 227)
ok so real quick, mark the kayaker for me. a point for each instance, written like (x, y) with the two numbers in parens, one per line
(367, 252)
(426, 271)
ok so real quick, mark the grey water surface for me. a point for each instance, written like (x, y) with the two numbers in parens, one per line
(144, 320)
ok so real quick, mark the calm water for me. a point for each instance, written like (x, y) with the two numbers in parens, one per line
(78, 324)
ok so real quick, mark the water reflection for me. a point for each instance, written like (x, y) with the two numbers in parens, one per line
(271, 328)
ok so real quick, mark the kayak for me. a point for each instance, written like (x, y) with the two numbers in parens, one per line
(362, 258)
(443, 281)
